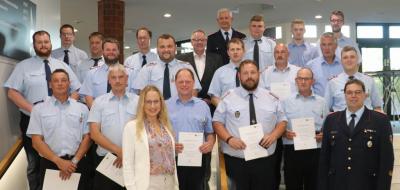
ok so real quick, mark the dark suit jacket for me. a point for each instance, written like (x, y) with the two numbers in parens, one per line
(358, 160)
(213, 62)
(216, 44)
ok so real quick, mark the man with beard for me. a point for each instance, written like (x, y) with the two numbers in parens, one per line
(243, 106)
(162, 73)
(28, 84)
(95, 83)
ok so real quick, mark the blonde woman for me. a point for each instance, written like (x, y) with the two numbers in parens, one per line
(148, 146)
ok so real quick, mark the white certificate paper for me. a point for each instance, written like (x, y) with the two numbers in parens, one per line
(53, 181)
(305, 133)
(251, 136)
(107, 168)
(191, 155)
(281, 89)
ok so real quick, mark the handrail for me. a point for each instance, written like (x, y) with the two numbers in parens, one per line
(222, 172)
(10, 156)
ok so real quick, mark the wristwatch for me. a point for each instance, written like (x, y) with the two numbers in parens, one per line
(74, 160)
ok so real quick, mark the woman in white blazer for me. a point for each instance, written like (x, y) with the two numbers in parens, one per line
(148, 146)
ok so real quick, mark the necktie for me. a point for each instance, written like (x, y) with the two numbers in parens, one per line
(108, 87)
(66, 58)
(351, 77)
(237, 77)
(352, 122)
(48, 76)
(166, 86)
(96, 61)
(253, 119)
(256, 52)
(226, 37)
(144, 60)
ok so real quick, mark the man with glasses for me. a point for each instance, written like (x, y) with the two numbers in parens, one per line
(357, 150)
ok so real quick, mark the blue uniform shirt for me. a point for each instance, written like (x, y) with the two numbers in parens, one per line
(266, 51)
(299, 55)
(112, 114)
(224, 79)
(29, 78)
(153, 74)
(62, 125)
(358, 113)
(298, 106)
(134, 64)
(75, 56)
(85, 66)
(323, 72)
(273, 75)
(233, 112)
(334, 95)
(191, 116)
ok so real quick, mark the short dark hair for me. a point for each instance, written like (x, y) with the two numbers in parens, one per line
(96, 34)
(235, 41)
(257, 18)
(247, 62)
(184, 69)
(67, 26)
(166, 37)
(110, 40)
(354, 81)
(60, 71)
(40, 32)
(347, 49)
(337, 13)
(145, 29)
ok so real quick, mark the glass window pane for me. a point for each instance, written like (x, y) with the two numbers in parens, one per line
(394, 58)
(278, 32)
(369, 32)
(186, 47)
(394, 31)
(345, 30)
(311, 31)
(372, 59)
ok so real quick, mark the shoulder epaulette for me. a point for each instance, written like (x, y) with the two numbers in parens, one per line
(226, 94)
(151, 64)
(95, 67)
(273, 95)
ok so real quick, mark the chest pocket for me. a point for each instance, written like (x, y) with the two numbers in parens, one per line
(108, 118)
(238, 113)
(75, 121)
(318, 114)
(267, 114)
(36, 79)
(130, 113)
(100, 86)
(49, 126)
(157, 76)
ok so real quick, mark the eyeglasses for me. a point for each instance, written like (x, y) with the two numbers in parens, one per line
(336, 20)
(181, 82)
(303, 79)
(152, 102)
(352, 93)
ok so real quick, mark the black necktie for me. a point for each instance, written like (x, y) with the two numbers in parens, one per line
(253, 119)
(351, 77)
(166, 86)
(256, 52)
(144, 60)
(226, 37)
(237, 77)
(48, 76)
(352, 122)
(66, 58)
(96, 61)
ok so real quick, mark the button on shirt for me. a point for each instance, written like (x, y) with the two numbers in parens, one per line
(357, 118)
(266, 51)
(323, 72)
(300, 54)
(112, 113)
(334, 95)
(29, 78)
(191, 116)
(85, 66)
(153, 74)
(134, 63)
(75, 56)
(62, 125)
(233, 112)
(200, 62)
(273, 75)
(224, 79)
(298, 106)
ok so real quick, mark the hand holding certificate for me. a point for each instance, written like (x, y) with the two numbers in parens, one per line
(191, 155)
(53, 181)
(107, 168)
(305, 133)
(251, 136)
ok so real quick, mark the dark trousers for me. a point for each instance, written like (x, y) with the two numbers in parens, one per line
(301, 168)
(191, 178)
(278, 155)
(91, 157)
(31, 155)
(207, 170)
(82, 169)
(101, 182)
(255, 174)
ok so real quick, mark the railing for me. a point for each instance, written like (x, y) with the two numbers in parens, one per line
(9, 157)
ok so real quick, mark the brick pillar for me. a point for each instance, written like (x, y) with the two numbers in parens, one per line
(111, 21)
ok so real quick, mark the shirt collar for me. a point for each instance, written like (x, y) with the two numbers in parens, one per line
(293, 44)
(56, 102)
(229, 31)
(113, 97)
(177, 100)
(284, 70)
(173, 62)
(358, 113)
(196, 55)
(232, 65)
(335, 60)
(312, 96)
(244, 93)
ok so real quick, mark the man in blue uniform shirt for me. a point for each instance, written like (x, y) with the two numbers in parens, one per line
(96, 54)
(59, 131)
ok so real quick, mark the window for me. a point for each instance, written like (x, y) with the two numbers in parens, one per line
(369, 32)
(394, 31)
(345, 30)
(311, 31)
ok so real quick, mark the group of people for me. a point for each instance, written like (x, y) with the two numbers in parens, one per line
(75, 109)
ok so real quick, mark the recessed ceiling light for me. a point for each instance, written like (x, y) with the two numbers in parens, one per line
(76, 30)
(167, 15)
(127, 47)
(318, 16)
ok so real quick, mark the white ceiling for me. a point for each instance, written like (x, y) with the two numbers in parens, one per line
(188, 15)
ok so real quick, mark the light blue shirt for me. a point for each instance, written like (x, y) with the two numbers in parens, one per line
(334, 95)
(357, 118)
(273, 75)
(62, 125)
(134, 63)
(85, 66)
(233, 112)
(223, 80)
(299, 55)
(153, 74)
(191, 116)
(266, 51)
(75, 55)
(323, 72)
(29, 78)
(298, 106)
(112, 113)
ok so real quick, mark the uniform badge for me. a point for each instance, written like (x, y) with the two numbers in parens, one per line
(369, 144)
(237, 114)
(203, 121)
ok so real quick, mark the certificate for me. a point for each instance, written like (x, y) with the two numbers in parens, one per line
(53, 181)
(191, 155)
(107, 168)
(305, 133)
(251, 136)
(281, 89)
(396, 174)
